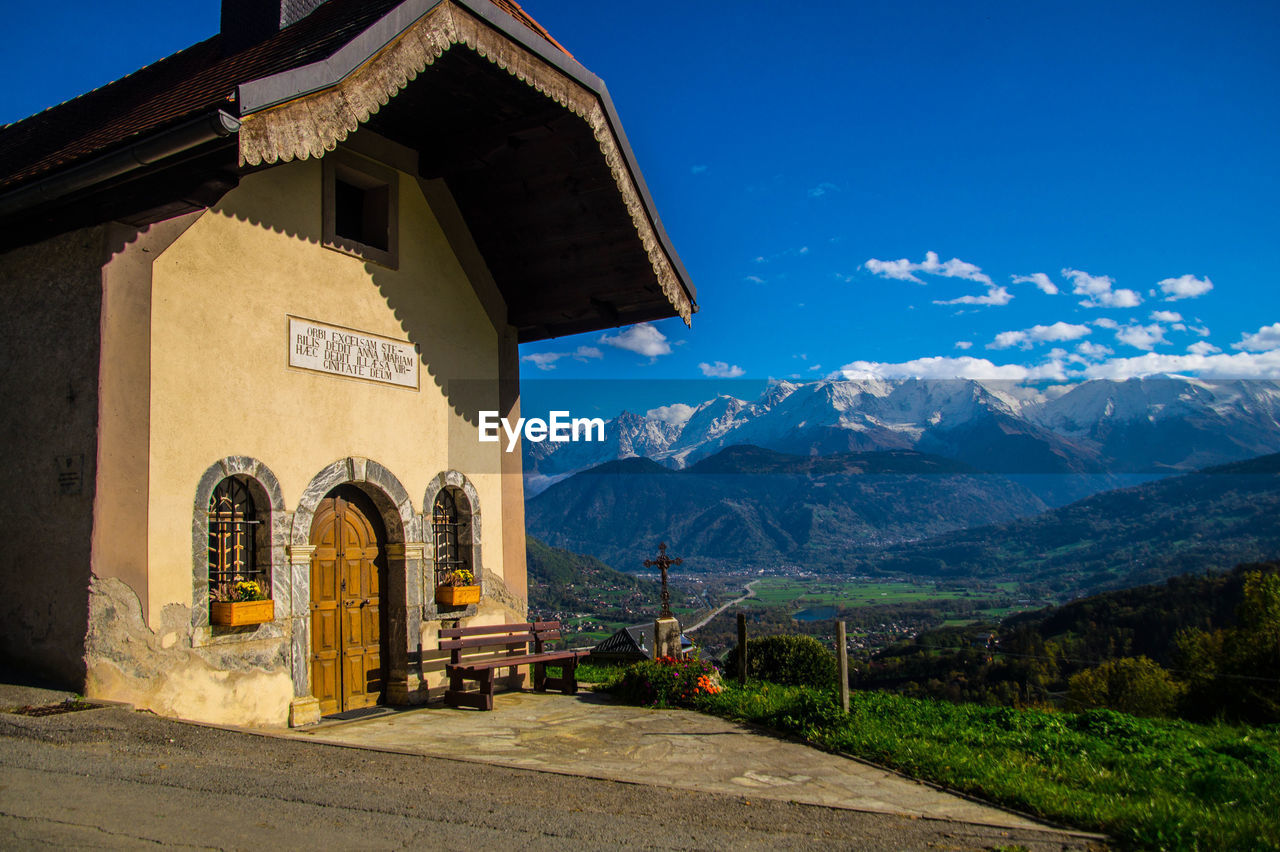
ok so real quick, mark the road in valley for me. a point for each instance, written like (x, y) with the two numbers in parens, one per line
(750, 593)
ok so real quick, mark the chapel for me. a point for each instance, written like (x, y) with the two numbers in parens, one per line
(257, 295)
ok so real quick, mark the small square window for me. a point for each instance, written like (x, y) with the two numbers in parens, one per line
(360, 201)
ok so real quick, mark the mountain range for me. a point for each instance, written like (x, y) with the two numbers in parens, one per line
(1062, 443)
(749, 507)
(1209, 520)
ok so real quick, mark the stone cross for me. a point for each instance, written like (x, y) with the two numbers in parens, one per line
(663, 562)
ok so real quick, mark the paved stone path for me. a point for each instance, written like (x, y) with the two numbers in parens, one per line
(589, 735)
(115, 778)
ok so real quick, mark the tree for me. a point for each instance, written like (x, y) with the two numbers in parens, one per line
(1135, 685)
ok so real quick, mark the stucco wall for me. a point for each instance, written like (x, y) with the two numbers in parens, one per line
(49, 333)
(221, 386)
(210, 371)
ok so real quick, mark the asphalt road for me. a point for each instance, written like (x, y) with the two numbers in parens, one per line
(750, 593)
(115, 778)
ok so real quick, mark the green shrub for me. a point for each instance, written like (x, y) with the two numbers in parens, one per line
(1128, 684)
(669, 682)
(792, 660)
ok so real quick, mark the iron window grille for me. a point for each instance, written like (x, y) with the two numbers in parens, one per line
(446, 526)
(232, 540)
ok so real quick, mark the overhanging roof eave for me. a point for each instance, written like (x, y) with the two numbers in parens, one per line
(258, 95)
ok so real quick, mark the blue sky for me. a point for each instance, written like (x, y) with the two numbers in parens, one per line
(1043, 190)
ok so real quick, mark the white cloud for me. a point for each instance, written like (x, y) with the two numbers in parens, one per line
(547, 360)
(1094, 351)
(994, 296)
(544, 360)
(1242, 365)
(642, 339)
(1265, 338)
(964, 367)
(1040, 280)
(1202, 347)
(755, 279)
(899, 270)
(1098, 292)
(721, 370)
(1184, 287)
(1166, 316)
(903, 269)
(1202, 330)
(1106, 322)
(672, 415)
(1059, 331)
(815, 367)
(1007, 339)
(1179, 326)
(964, 344)
(1141, 336)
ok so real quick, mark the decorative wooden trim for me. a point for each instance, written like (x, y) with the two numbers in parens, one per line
(314, 124)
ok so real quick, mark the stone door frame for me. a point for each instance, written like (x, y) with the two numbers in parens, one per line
(404, 552)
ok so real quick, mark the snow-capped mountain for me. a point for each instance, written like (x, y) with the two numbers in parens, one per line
(1102, 427)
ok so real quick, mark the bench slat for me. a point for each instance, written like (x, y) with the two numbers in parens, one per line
(514, 639)
(456, 632)
(503, 662)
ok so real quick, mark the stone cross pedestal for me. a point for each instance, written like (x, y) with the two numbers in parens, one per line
(666, 637)
(666, 629)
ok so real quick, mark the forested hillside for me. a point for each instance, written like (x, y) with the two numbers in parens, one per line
(1199, 646)
(1209, 520)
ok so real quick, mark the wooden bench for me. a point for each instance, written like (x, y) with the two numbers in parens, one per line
(523, 644)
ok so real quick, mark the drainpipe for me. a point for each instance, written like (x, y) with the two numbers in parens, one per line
(177, 140)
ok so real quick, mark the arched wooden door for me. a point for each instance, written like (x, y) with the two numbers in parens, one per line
(346, 608)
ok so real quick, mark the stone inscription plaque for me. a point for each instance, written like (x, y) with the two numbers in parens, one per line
(354, 354)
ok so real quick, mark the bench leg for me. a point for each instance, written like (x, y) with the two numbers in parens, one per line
(569, 676)
(457, 696)
(539, 677)
(568, 680)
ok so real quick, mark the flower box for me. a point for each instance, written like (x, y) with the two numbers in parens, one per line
(240, 613)
(457, 595)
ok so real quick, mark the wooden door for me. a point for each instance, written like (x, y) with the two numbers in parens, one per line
(346, 628)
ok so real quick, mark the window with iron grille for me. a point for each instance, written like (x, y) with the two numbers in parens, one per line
(451, 530)
(233, 540)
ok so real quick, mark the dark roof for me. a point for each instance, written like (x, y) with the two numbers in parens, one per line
(636, 640)
(572, 240)
(193, 81)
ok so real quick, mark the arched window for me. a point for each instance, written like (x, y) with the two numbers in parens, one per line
(451, 533)
(235, 534)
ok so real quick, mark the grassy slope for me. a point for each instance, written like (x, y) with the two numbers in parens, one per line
(1147, 783)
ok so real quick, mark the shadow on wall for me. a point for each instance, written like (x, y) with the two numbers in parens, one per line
(426, 311)
(50, 351)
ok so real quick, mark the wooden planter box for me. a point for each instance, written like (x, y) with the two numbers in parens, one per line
(240, 613)
(457, 595)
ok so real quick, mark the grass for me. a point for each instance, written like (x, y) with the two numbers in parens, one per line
(775, 591)
(1147, 783)
(603, 675)
(1157, 784)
